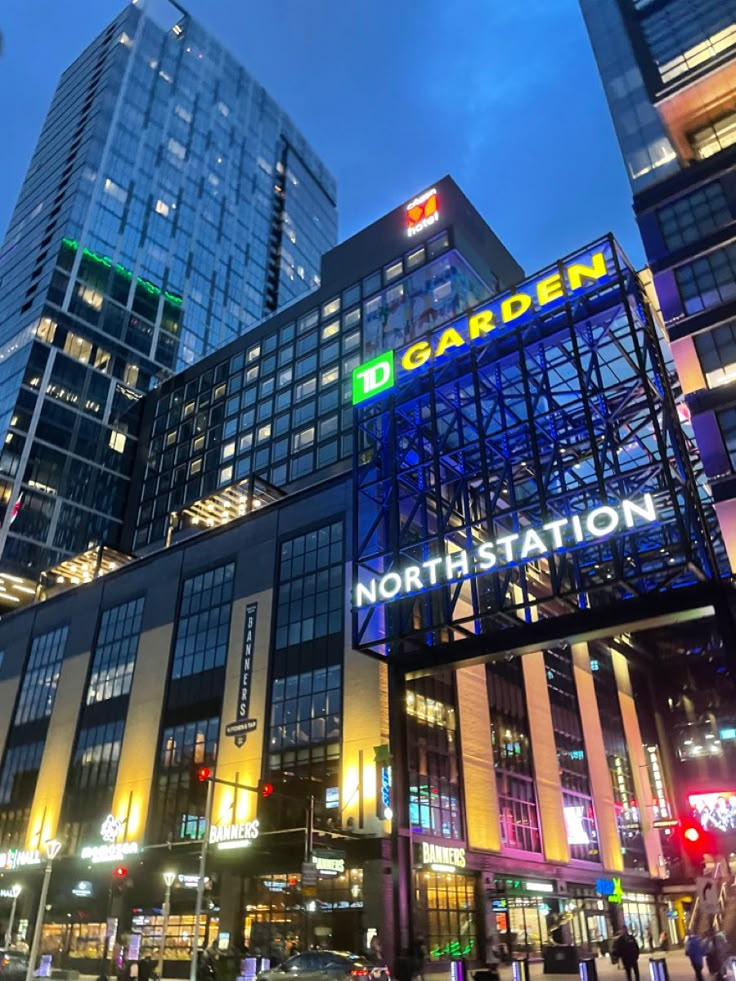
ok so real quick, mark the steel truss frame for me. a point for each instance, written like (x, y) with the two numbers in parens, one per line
(569, 411)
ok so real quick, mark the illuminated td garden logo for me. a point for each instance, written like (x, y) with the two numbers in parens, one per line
(587, 271)
(526, 546)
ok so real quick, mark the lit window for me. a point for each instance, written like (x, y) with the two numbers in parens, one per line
(103, 359)
(228, 450)
(255, 352)
(415, 258)
(117, 441)
(329, 330)
(78, 347)
(303, 439)
(220, 391)
(171, 438)
(195, 466)
(187, 410)
(176, 149)
(330, 376)
(264, 432)
(130, 375)
(245, 442)
(251, 374)
(331, 308)
(197, 444)
(46, 329)
(162, 208)
(393, 271)
(226, 475)
(115, 191)
(183, 113)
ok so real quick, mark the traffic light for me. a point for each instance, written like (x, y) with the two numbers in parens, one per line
(203, 774)
(119, 872)
(265, 788)
(696, 841)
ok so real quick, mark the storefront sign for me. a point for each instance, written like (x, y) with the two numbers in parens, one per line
(111, 829)
(244, 725)
(191, 881)
(16, 859)
(116, 852)
(422, 212)
(228, 836)
(442, 858)
(9, 893)
(507, 550)
(587, 271)
(532, 885)
(329, 862)
(83, 889)
(610, 888)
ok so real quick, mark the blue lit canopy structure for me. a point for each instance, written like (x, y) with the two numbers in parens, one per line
(522, 478)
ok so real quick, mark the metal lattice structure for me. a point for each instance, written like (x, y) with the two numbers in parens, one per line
(543, 421)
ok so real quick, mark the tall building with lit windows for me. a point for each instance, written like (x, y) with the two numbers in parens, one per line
(668, 69)
(169, 205)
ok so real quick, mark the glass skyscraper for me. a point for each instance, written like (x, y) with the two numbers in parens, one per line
(669, 72)
(170, 204)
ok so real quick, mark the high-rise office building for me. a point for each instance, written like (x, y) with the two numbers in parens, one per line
(669, 73)
(169, 205)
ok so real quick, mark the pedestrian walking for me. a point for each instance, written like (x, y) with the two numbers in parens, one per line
(716, 951)
(626, 950)
(695, 952)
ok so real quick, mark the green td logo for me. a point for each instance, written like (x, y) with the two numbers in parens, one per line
(373, 377)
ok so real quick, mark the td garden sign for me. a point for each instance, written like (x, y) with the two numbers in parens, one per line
(528, 545)
(571, 279)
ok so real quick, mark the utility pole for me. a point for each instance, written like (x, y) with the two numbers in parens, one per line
(200, 882)
(308, 849)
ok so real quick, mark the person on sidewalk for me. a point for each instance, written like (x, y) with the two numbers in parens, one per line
(716, 951)
(695, 951)
(626, 950)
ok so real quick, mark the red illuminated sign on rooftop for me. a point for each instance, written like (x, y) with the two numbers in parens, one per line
(422, 212)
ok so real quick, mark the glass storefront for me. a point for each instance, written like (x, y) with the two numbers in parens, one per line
(76, 940)
(446, 908)
(179, 933)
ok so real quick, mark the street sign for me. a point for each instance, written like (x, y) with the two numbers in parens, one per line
(707, 892)
(310, 874)
(665, 823)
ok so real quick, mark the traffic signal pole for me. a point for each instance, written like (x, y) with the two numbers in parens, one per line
(200, 881)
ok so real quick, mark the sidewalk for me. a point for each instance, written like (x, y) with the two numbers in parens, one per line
(678, 967)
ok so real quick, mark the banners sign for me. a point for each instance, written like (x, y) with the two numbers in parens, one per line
(240, 729)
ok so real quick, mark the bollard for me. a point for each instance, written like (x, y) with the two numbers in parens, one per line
(520, 969)
(588, 969)
(658, 969)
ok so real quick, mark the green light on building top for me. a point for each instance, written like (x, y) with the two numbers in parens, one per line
(104, 260)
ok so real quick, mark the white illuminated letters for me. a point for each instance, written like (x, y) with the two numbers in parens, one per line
(511, 549)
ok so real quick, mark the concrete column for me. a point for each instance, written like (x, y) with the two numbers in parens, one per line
(141, 738)
(51, 784)
(483, 828)
(638, 762)
(595, 754)
(544, 753)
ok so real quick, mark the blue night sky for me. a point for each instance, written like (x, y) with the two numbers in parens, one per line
(392, 94)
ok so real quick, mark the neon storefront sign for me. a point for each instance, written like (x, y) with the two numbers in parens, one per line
(537, 295)
(527, 545)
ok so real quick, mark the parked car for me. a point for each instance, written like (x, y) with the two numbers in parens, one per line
(327, 965)
(13, 964)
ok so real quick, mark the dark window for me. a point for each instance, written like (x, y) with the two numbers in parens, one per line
(204, 621)
(694, 215)
(41, 677)
(708, 280)
(717, 353)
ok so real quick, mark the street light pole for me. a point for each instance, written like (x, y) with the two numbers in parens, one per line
(16, 890)
(200, 883)
(169, 880)
(52, 849)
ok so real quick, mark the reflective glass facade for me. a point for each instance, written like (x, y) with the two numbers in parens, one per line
(170, 204)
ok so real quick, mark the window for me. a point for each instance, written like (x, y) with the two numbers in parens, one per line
(117, 441)
(694, 215)
(448, 909)
(434, 790)
(329, 376)
(96, 757)
(228, 450)
(329, 330)
(303, 439)
(38, 688)
(180, 804)
(20, 769)
(393, 271)
(331, 308)
(415, 258)
(115, 651)
(306, 711)
(310, 602)
(115, 191)
(708, 280)
(717, 354)
(204, 622)
(727, 422)
(263, 433)
(715, 136)
(78, 347)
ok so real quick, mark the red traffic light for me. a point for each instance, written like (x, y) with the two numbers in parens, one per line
(203, 773)
(692, 834)
(266, 789)
(119, 872)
